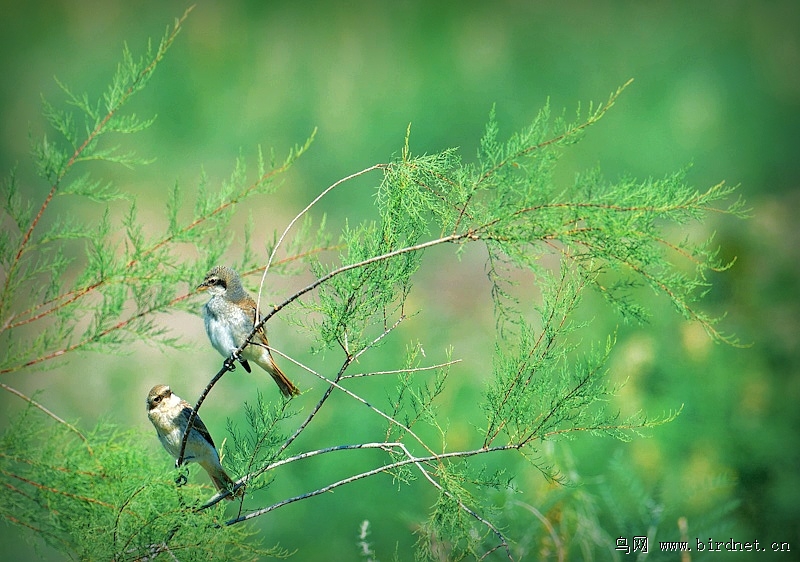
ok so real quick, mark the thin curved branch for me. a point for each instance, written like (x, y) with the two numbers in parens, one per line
(33, 402)
(410, 459)
(351, 394)
(299, 215)
(228, 365)
(243, 480)
(399, 371)
(385, 468)
(308, 454)
(468, 235)
(557, 542)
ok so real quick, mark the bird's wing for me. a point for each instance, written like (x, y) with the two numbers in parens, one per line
(198, 425)
(261, 335)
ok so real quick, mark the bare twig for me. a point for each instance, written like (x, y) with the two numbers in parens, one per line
(33, 402)
(398, 371)
(409, 459)
(335, 384)
(385, 468)
(348, 360)
(557, 542)
(228, 365)
(308, 454)
(332, 384)
(468, 235)
(300, 214)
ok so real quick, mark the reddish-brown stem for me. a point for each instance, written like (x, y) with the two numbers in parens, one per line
(97, 131)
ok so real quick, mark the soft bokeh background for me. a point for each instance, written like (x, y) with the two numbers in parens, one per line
(717, 85)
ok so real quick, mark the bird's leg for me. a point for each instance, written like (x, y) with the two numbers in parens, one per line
(230, 362)
(182, 477)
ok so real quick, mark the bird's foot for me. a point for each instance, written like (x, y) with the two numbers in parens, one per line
(230, 363)
(181, 479)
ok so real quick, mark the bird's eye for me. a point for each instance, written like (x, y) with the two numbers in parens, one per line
(156, 400)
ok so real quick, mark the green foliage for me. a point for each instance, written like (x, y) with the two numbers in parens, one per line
(635, 507)
(259, 444)
(128, 273)
(413, 402)
(611, 236)
(105, 497)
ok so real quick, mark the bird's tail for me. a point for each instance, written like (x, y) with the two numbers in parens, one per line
(222, 482)
(288, 389)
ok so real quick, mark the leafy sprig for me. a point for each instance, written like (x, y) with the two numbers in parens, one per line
(610, 236)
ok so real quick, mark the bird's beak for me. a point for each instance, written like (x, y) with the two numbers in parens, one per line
(202, 286)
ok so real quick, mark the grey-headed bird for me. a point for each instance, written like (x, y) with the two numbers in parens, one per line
(230, 315)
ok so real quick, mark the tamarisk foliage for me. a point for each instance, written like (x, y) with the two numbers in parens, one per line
(121, 284)
(606, 236)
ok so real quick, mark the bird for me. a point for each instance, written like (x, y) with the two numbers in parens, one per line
(169, 414)
(230, 315)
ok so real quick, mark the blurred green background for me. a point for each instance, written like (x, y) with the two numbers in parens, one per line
(717, 85)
